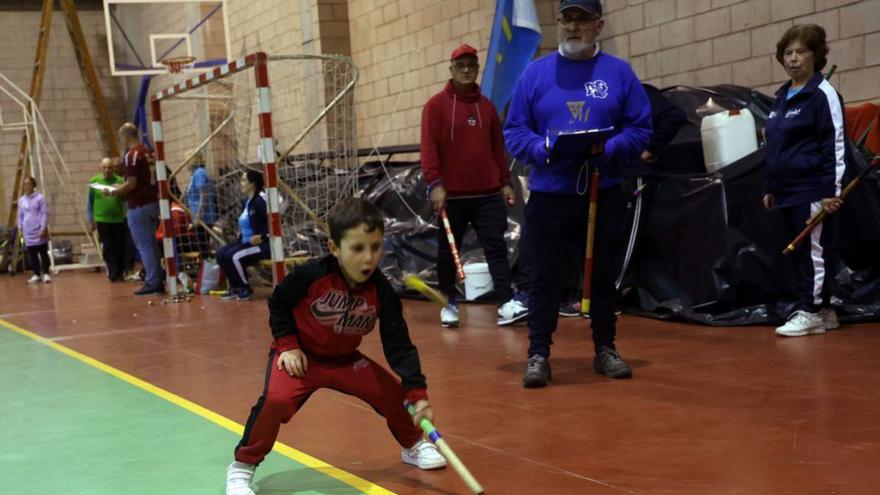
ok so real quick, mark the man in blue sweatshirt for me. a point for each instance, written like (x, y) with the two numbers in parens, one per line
(577, 88)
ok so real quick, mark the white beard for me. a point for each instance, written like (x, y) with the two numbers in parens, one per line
(577, 50)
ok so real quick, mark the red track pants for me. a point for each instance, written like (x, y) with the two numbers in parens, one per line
(284, 395)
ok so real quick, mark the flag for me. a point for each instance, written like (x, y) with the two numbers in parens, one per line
(516, 35)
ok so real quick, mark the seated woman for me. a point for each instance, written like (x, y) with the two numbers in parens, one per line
(253, 242)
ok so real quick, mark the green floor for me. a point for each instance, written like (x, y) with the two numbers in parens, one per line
(67, 427)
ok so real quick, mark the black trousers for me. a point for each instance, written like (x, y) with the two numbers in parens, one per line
(555, 233)
(114, 237)
(488, 217)
(572, 277)
(38, 258)
(815, 258)
(234, 258)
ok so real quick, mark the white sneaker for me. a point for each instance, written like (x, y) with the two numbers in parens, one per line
(47, 278)
(34, 279)
(424, 455)
(802, 323)
(829, 318)
(449, 316)
(239, 477)
(511, 312)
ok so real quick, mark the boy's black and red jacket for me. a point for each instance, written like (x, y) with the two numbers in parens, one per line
(314, 310)
(461, 145)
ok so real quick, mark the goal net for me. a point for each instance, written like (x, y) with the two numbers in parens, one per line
(218, 122)
(26, 140)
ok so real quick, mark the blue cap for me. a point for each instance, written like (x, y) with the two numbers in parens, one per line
(589, 6)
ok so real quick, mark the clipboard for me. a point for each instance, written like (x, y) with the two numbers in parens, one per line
(102, 187)
(577, 144)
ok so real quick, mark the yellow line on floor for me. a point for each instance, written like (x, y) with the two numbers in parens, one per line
(285, 450)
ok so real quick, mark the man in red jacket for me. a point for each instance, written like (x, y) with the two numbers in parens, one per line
(465, 166)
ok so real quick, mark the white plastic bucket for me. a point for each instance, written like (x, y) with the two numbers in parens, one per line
(727, 136)
(477, 280)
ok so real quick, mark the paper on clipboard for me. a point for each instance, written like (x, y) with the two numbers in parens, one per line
(102, 187)
(577, 144)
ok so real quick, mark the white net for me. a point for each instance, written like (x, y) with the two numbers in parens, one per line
(313, 120)
(66, 204)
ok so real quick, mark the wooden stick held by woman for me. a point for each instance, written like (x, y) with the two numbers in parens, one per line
(820, 216)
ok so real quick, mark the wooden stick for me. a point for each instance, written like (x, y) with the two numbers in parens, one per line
(817, 218)
(447, 452)
(449, 237)
(591, 230)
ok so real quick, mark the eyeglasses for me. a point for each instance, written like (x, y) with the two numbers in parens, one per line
(462, 67)
(578, 22)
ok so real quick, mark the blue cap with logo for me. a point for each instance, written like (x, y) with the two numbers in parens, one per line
(589, 6)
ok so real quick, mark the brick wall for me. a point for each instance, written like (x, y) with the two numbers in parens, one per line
(401, 48)
(65, 102)
(299, 88)
(704, 42)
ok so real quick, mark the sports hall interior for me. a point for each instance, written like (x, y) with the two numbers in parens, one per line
(102, 392)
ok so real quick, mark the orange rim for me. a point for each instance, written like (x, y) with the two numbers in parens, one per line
(175, 64)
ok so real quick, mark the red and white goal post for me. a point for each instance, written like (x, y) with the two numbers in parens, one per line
(302, 138)
(258, 65)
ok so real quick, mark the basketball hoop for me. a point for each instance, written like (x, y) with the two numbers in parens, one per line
(177, 64)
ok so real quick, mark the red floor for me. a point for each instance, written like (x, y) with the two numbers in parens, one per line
(710, 410)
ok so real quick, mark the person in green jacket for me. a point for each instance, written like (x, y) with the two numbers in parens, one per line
(107, 215)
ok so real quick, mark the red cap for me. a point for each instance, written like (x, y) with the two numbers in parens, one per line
(463, 50)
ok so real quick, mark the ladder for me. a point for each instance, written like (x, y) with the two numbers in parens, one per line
(90, 78)
(9, 254)
(11, 251)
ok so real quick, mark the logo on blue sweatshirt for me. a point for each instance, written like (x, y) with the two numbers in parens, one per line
(577, 111)
(596, 89)
(794, 112)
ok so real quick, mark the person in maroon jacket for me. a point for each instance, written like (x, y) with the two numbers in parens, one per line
(142, 193)
(465, 166)
(318, 316)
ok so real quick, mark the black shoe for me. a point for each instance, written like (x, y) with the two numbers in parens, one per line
(609, 363)
(570, 308)
(147, 290)
(231, 294)
(245, 294)
(537, 372)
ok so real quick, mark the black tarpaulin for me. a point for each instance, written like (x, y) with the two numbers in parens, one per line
(706, 250)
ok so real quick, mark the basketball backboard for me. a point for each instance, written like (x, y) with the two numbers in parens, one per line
(141, 33)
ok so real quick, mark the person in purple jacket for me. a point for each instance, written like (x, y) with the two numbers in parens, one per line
(577, 88)
(805, 166)
(33, 223)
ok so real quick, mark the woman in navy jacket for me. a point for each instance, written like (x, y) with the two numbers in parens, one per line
(253, 242)
(805, 165)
